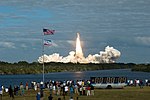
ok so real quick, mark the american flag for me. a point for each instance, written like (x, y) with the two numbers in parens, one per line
(48, 32)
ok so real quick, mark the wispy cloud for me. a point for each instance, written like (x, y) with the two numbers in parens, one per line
(7, 44)
(71, 42)
(143, 40)
(24, 46)
(54, 44)
(61, 43)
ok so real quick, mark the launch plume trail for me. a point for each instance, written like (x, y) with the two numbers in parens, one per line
(79, 53)
(110, 55)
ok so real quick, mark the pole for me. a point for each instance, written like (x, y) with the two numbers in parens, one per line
(43, 57)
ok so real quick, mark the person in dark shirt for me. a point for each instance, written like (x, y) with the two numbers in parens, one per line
(92, 90)
(41, 92)
(141, 84)
(59, 98)
(10, 90)
(50, 97)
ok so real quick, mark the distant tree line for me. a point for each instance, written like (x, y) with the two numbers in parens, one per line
(23, 67)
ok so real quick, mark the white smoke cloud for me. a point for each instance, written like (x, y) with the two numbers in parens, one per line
(109, 55)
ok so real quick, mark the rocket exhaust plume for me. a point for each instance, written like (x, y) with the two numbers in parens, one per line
(78, 53)
(109, 55)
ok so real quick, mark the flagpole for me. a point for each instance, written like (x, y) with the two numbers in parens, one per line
(46, 32)
(43, 56)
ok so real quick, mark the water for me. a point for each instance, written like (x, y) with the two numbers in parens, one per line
(6, 80)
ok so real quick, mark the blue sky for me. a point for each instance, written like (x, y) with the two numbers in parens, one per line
(122, 24)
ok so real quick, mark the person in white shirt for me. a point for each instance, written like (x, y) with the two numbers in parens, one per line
(66, 90)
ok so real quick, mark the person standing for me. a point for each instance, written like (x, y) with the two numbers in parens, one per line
(15, 89)
(41, 93)
(66, 90)
(1, 92)
(92, 90)
(84, 88)
(38, 96)
(80, 90)
(76, 89)
(141, 84)
(88, 91)
(10, 90)
(54, 89)
(22, 89)
(50, 97)
(59, 98)
(71, 91)
(58, 89)
(27, 87)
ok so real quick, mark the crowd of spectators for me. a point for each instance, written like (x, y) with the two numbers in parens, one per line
(68, 88)
(137, 82)
(61, 88)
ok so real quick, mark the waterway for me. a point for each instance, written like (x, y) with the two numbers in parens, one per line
(7, 80)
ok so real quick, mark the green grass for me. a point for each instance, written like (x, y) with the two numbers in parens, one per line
(128, 93)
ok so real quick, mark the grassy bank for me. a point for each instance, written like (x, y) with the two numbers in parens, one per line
(128, 93)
